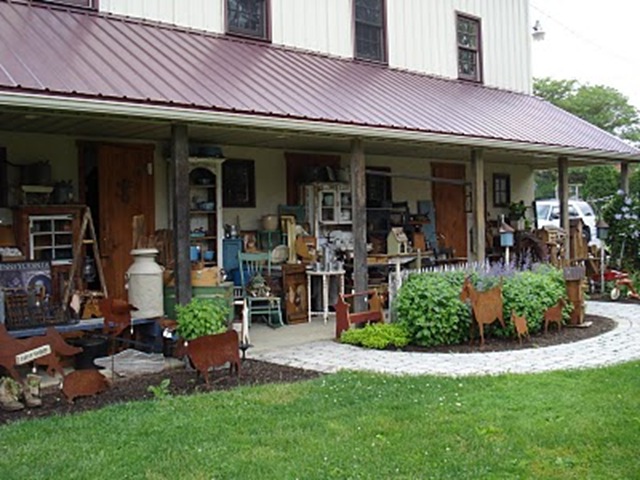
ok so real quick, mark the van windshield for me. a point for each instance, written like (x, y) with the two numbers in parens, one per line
(542, 211)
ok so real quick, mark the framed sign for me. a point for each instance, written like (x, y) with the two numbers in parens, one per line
(26, 275)
(238, 184)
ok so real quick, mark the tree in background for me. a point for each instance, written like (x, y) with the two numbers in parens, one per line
(602, 106)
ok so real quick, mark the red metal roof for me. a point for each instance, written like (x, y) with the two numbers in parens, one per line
(53, 50)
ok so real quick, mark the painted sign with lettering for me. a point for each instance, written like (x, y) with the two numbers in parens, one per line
(31, 355)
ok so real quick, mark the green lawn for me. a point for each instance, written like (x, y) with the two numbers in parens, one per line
(562, 425)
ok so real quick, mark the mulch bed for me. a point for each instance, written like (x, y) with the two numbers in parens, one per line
(568, 334)
(253, 372)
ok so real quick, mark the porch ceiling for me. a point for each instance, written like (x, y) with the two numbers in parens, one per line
(56, 56)
(88, 127)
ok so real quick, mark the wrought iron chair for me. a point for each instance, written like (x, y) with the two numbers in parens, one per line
(253, 267)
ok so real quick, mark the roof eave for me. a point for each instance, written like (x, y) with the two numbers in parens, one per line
(208, 116)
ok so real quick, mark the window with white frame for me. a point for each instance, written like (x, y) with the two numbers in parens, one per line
(248, 18)
(469, 48)
(370, 35)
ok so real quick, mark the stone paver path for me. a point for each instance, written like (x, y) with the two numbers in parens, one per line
(620, 345)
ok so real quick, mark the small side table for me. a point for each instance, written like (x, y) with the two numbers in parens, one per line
(325, 290)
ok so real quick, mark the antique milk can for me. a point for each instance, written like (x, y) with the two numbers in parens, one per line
(144, 281)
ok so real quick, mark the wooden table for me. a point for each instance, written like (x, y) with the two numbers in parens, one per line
(325, 276)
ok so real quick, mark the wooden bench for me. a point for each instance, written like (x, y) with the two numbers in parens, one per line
(345, 318)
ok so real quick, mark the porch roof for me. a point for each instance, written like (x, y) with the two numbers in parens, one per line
(52, 51)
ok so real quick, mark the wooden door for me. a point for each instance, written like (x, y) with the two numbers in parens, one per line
(125, 187)
(448, 201)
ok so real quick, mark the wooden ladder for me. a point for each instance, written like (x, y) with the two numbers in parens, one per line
(82, 241)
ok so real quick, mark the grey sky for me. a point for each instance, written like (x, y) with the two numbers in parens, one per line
(593, 41)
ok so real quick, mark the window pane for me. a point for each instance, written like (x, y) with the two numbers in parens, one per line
(467, 64)
(369, 11)
(247, 17)
(369, 42)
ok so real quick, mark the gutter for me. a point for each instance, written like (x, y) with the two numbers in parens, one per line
(186, 115)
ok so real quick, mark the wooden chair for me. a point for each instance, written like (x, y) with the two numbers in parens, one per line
(259, 302)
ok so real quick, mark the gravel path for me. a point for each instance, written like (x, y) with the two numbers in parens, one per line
(617, 346)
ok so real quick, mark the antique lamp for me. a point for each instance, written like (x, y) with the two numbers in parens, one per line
(506, 239)
(602, 231)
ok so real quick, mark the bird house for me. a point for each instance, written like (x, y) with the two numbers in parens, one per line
(397, 241)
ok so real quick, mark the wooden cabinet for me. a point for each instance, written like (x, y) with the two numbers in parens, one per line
(205, 197)
(294, 284)
(328, 204)
(48, 233)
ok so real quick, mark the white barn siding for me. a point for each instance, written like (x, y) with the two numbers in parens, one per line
(422, 37)
(421, 34)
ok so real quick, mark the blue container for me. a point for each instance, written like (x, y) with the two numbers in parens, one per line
(194, 253)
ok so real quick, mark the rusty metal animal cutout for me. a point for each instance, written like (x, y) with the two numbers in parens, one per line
(520, 322)
(554, 315)
(10, 347)
(84, 383)
(486, 306)
(211, 351)
(117, 315)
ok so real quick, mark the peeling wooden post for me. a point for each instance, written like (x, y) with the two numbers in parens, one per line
(359, 225)
(563, 196)
(479, 221)
(181, 226)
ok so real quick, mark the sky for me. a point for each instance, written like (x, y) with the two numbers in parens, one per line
(592, 41)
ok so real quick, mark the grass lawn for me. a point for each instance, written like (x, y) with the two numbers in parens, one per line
(562, 425)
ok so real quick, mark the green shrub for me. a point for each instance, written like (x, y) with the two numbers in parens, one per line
(202, 316)
(377, 335)
(530, 293)
(429, 307)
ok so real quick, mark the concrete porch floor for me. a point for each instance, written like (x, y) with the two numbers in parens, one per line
(264, 338)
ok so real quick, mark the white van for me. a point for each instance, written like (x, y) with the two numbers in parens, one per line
(548, 213)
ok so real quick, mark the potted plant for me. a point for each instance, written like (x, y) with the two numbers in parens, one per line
(516, 214)
(202, 316)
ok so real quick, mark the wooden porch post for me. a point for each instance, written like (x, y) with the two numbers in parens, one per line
(624, 177)
(477, 185)
(563, 196)
(181, 226)
(359, 225)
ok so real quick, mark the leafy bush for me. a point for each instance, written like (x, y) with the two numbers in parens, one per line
(377, 335)
(622, 213)
(202, 316)
(429, 307)
(530, 293)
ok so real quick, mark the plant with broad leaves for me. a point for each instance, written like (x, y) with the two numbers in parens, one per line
(202, 316)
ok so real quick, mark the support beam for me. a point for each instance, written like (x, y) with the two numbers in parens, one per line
(563, 196)
(624, 177)
(479, 221)
(359, 226)
(181, 227)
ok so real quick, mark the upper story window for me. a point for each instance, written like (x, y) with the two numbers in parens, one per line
(370, 30)
(75, 3)
(248, 18)
(469, 51)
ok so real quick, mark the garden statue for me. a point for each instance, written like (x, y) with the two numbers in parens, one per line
(554, 315)
(486, 306)
(211, 351)
(520, 323)
(84, 383)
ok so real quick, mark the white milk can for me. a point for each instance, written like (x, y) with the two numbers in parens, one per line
(144, 281)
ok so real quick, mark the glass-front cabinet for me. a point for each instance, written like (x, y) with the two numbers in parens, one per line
(328, 204)
(51, 238)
